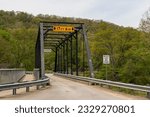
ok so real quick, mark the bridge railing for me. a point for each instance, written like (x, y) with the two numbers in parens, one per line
(15, 86)
(25, 84)
(109, 83)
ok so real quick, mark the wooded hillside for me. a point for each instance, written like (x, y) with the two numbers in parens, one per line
(129, 48)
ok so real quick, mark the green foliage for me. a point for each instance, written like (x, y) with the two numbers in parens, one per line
(4, 35)
(129, 52)
(49, 60)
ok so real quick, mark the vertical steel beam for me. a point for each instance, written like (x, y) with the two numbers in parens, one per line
(83, 65)
(38, 53)
(14, 91)
(71, 56)
(88, 52)
(27, 89)
(61, 59)
(64, 58)
(77, 73)
(42, 51)
(67, 57)
(56, 60)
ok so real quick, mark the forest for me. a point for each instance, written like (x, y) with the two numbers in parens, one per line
(129, 48)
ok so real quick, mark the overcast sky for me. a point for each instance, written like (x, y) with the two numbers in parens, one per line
(121, 12)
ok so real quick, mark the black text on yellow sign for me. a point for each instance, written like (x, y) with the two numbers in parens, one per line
(63, 28)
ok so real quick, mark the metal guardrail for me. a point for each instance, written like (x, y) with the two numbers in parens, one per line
(29, 72)
(109, 83)
(28, 84)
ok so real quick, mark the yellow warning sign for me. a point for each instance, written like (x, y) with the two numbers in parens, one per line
(63, 28)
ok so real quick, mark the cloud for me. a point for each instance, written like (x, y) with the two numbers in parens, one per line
(122, 12)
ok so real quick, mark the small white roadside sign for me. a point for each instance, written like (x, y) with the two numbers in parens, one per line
(106, 59)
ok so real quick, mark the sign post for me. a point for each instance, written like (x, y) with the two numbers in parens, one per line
(106, 61)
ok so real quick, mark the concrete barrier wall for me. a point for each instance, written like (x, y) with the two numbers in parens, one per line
(11, 75)
(36, 73)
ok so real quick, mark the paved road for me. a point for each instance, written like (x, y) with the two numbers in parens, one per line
(66, 89)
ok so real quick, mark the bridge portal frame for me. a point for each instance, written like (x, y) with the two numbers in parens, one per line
(59, 42)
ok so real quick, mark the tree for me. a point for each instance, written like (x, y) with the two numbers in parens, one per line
(128, 50)
(145, 22)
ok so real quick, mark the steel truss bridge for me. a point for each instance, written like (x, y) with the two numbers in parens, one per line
(64, 38)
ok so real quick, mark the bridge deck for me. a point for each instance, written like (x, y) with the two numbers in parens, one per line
(66, 89)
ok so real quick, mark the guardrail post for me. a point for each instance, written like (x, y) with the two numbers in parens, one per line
(14, 91)
(37, 87)
(148, 95)
(27, 89)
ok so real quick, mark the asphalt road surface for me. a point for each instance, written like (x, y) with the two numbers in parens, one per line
(63, 89)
